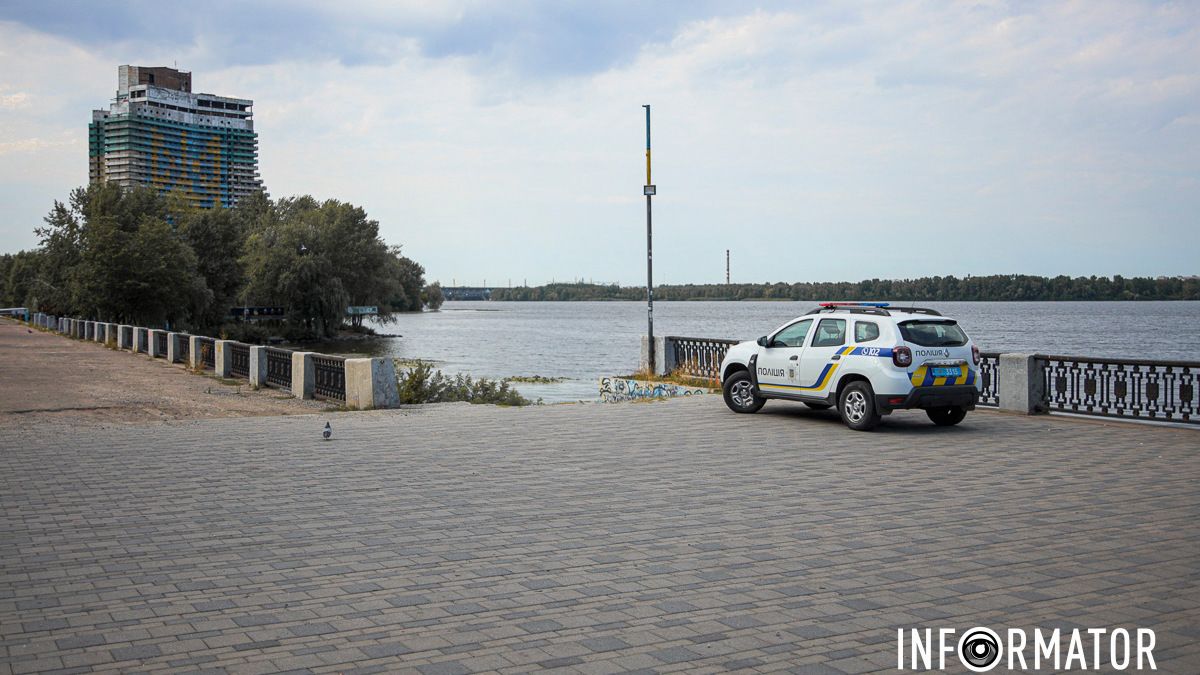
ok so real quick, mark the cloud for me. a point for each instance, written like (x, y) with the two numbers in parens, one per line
(29, 145)
(505, 139)
(13, 101)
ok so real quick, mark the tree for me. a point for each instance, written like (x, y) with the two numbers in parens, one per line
(217, 237)
(432, 296)
(410, 277)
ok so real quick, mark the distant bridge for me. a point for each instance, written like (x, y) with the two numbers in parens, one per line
(466, 293)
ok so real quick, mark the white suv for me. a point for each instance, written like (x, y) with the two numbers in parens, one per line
(868, 359)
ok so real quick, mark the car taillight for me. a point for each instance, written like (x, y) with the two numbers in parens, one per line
(975, 354)
(902, 357)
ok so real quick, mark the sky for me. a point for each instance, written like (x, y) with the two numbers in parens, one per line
(503, 142)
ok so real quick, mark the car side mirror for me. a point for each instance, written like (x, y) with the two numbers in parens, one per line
(762, 341)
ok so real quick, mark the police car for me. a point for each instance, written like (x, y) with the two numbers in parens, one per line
(867, 359)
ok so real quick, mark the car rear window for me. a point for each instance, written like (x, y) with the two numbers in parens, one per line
(933, 333)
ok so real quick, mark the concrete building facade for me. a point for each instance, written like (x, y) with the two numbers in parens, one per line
(157, 133)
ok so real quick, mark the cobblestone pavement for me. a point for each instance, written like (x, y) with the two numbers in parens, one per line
(668, 537)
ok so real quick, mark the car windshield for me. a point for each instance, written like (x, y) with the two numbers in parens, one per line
(933, 333)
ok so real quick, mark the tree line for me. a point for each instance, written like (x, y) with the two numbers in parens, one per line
(998, 287)
(135, 256)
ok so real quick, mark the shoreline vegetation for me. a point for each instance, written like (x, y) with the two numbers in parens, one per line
(420, 383)
(993, 288)
(140, 257)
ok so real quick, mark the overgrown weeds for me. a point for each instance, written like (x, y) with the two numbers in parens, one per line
(422, 384)
(674, 377)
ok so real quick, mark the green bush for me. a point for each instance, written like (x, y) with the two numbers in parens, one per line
(422, 384)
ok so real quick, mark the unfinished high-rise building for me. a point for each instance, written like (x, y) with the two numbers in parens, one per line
(158, 134)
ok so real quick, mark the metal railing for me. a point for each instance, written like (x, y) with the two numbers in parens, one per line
(208, 352)
(160, 347)
(330, 380)
(989, 380)
(279, 367)
(1127, 388)
(183, 348)
(699, 357)
(127, 335)
(239, 359)
(141, 343)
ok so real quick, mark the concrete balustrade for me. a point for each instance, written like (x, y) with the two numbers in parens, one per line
(223, 358)
(152, 347)
(371, 383)
(258, 366)
(304, 375)
(174, 346)
(1021, 387)
(195, 358)
(139, 339)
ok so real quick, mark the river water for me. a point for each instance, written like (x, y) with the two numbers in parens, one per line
(584, 341)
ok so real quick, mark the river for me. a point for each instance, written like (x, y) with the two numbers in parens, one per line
(584, 341)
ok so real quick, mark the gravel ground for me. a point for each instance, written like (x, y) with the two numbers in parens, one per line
(48, 379)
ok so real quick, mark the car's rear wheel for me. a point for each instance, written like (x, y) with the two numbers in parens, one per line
(857, 407)
(739, 393)
(948, 416)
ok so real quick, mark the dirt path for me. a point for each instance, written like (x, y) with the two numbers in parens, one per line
(47, 378)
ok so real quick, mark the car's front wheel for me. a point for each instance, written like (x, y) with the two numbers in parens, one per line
(857, 406)
(948, 416)
(739, 393)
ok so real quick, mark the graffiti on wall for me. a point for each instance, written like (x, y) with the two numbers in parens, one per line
(619, 389)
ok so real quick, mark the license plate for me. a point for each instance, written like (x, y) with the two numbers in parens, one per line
(945, 371)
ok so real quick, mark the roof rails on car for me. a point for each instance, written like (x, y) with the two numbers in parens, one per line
(917, 310)
(876, 308)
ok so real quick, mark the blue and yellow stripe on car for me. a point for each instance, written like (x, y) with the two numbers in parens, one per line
(822, 379)
(923, 377)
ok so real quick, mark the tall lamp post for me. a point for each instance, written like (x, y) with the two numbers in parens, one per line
(648, 190)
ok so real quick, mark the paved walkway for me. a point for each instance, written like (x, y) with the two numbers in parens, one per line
(49, 378)
(668, 537)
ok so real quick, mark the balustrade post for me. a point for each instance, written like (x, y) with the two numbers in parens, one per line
(1021, 385)
(371, 383)
(304, 375)
(195, 358)
(152, 343)
(258, 366)
(663, 363)
(223, 358)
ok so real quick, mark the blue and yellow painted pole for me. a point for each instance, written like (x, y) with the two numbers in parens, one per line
(649, 191)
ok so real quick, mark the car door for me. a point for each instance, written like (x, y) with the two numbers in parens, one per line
(777, 363)
(819, 365)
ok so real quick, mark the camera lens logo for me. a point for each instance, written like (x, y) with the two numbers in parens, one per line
(979, 649)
